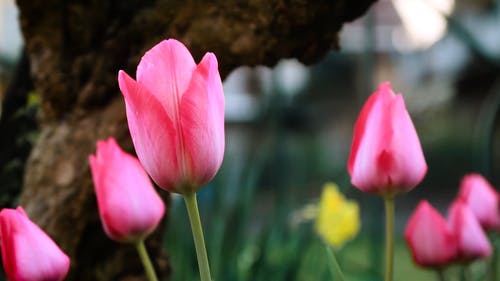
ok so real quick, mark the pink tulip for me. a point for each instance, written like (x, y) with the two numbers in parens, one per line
(431, 242)
(386, 157)
(28, 254)
(471, 240)
(129, 207)
(175, 113)
(482, 199)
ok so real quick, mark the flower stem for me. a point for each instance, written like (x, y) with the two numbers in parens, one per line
(463, 275)
(494, 259)
(440, 274)
(467, 273)
(199, 241)
(333, 265)
(146, 261)
(389, 237)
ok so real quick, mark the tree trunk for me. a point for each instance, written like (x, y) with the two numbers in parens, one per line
(76, 49)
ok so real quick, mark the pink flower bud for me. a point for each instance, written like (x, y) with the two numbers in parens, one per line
(129, 207)
(472, 242)
(175, 113)
(386, 157)
(482, 199)
(431, 242)
(27, 252)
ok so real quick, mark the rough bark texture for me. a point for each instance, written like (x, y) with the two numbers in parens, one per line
(76, 49)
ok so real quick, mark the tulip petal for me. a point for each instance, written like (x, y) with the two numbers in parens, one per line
(202, 120)
(427, 231)
(406, 167)
(118, 180)
(337, 219)
(152, 132)
(8, 249)
(386, 156)
(27, 252)
(482, 199)
(472, 241)
(166, 72)
(359, 131)
(371, 142)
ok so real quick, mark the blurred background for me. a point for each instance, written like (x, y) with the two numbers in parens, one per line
(289, 130)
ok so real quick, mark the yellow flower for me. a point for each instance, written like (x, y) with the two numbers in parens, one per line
(338, 219)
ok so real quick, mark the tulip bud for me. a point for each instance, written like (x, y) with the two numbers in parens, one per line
(482, 200)
(175, 114)
(431, 242)
(27, 252)
(386, 157)
(129, 207)
(472, 242)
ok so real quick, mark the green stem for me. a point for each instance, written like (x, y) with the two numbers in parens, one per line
(463, 276)
(333, 265)
(146, 262)
(440, 274)
(199, 241)
(389, 237)
(468, 273)
(465, 272)
(494, 258)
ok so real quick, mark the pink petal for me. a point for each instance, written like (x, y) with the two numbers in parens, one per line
(377, 133)
(129, 206)
(482, 199)
(202, 120)
(427, 231)
(472, 241)
(359, 131)
(7, 247)
(27, 252)
(386, 156)
(165, 71)
(409, 167)
(152, 132)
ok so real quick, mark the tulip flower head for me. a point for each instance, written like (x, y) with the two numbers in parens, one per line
(27, 252)
(431, 241)
(472, 242)
(482, 200)
(129, 207)
(386, 157)
(175, 114)
(338, 219)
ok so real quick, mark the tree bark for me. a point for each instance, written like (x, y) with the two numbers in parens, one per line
(76, 49)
